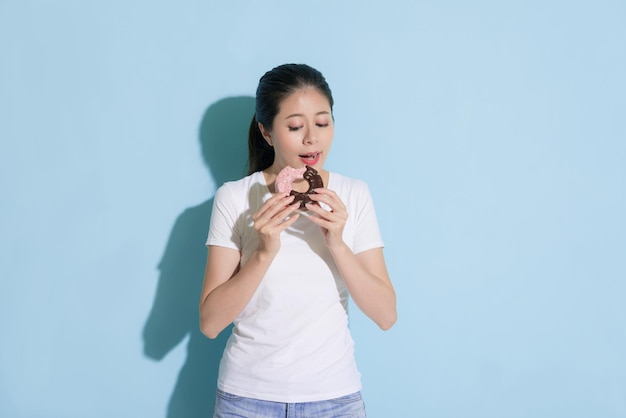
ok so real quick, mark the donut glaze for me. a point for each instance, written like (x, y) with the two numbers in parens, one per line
(288, 175)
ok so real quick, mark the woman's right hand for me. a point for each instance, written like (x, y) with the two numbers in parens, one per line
(272, 218)
(228, 286)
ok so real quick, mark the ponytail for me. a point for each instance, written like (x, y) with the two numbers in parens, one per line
(260, 153)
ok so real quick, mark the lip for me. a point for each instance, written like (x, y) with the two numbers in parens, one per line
(309, 161)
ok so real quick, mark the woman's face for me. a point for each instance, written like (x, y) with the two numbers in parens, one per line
(303, 130)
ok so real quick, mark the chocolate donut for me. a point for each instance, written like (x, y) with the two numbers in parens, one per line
(286, 177)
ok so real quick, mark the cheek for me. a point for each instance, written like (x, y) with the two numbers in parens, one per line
(329, 133)
(286, 140)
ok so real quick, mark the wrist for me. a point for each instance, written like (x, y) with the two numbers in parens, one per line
(339, 248)
(265, 256)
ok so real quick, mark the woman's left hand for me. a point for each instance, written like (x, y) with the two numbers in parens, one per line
(365, 273)
(331, 221)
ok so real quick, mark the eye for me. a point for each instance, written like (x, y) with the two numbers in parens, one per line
(322, 125)
(294, 128)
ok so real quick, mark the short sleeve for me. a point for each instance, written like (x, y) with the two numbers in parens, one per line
(223, 225)
(367, 233)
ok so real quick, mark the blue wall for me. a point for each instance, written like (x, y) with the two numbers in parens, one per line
(491, 133)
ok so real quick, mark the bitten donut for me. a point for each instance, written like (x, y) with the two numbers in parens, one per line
(288, 175)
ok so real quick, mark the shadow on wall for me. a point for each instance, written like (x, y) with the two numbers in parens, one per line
(174, 314)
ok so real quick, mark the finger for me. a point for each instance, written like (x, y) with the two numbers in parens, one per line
(279, 218)
(276, 199)
(326, 192)
(273, 205)
(317, 209)
(289, 220)
(333, 218)
(266, 222)
(328, 197)
(327, 224)
(324, 206)
(287, 213)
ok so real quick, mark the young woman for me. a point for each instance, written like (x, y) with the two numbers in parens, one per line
(282, 274)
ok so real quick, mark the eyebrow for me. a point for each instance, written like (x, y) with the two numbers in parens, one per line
(293, 115)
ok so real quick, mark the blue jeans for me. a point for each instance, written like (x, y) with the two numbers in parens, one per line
(231, 406)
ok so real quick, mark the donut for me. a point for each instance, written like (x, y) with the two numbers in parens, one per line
(288, 175)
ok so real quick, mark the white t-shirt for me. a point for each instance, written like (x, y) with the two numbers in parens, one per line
(291, 343)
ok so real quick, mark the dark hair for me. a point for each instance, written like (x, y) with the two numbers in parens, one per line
(274, 87)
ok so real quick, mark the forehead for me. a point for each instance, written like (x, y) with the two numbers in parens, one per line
(306, 99)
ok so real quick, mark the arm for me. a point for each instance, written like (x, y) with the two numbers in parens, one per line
(228, 286)
(365, 273)
(368, 282)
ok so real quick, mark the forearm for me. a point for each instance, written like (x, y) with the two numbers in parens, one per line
(369, 286)
(223, 304)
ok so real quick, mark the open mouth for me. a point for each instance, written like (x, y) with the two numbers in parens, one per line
(310, 158)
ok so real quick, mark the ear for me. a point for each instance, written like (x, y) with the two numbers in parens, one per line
(266, 134)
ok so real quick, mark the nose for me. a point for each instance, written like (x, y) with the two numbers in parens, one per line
(309, 137)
